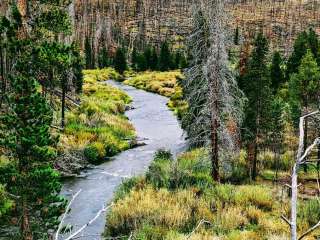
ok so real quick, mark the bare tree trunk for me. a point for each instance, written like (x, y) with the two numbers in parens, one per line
(25, 226)
(215, 151)
(63, 103)
(294, 199)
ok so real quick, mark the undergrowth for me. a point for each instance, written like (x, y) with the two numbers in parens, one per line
(98, 127)
(176, 196)
(163, 83)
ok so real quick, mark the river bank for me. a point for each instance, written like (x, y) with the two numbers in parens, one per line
(159, 128)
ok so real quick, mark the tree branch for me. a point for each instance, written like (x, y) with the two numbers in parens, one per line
(286, 220)
(310, 230)
(65, 213)
(103, 209)
(196, 228)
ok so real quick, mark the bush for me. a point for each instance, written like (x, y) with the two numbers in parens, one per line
(163, 154)
(127, 185)
(95, 152)
(158, 172)
(5, 203)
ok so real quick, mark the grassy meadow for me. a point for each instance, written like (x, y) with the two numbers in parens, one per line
(178, 200)
(163, 83)
(98, 127)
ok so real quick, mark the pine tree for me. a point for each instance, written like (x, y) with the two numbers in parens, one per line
(276, 73)
(304, 86)
(257, 89)
(148, 56)
(195, 85)
(88, 53)
(209, 87)
(165, 57)
(236, 38)
(142, 62)
(25, 132)
(103, 59)
(177, 60)
(299, 50)
(134, 59)
(120, 61)
(154, 59)
(313, 42)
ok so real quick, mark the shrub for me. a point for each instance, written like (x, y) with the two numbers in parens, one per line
(127, 185)
(5, 203)
(163, 154)
(158, 172)
(95, 152)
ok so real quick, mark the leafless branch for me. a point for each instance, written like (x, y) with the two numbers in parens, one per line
(286, 220)
(103, 209)
(310, 230)
(65, 213)
(197, 227)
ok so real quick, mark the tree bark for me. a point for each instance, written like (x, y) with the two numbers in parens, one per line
(25, 226)
(215, 151)
(63, 103)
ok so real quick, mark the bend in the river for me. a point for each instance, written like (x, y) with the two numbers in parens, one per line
(154, 122)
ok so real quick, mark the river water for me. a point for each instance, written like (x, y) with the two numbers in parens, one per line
(153, 122)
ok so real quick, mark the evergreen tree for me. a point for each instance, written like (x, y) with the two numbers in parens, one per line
(304, 86)
(165, 61)
(25, 132)
(177, 60)
(142, 62)
(103, 59)
(134, 59)
(236, 38)
(154, 59)
(195, 85)
(257, 89)
(183, 62)
(148, 56)
(120, 61)
(299, 50)
(313, 43)
(276, 73)
(88, 53)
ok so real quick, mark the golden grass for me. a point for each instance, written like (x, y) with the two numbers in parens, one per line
(163, 83)
(235, 211)
(99, 121)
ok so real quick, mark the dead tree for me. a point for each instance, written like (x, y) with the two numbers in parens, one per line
(301, 160)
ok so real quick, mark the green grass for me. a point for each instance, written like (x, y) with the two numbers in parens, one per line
(163, 83)
(98, 127)
(174, 196)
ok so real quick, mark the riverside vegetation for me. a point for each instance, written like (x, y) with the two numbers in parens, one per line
(177, 199)
(98, 129)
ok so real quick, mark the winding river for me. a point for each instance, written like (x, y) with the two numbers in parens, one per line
(159, 128)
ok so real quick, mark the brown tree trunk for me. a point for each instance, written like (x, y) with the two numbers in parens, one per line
(252, 159)
(215, 151)
(23, 9)
(25, 225)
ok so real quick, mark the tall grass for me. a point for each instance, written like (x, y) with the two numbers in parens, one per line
(176, 195)
(98, 127)
(163, 83)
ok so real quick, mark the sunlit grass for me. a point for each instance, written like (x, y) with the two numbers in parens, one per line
(177, 194)
(163, 83)
(98, 127)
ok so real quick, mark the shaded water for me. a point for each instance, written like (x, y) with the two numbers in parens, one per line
(154, 122)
